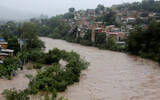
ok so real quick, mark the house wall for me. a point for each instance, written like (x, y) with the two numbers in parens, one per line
(121, 36)
(2, 57)
(4, 46)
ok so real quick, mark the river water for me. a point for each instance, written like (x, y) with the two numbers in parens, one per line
(110, 76)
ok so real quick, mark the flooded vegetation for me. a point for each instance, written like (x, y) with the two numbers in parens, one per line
(90, 52)
(111, 75)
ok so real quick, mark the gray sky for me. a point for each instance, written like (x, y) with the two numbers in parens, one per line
(53, 7)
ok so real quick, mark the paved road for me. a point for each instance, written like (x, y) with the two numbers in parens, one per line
(111, 75)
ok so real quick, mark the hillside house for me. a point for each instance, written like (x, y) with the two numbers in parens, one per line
(3, 44)
(118, 36)
(116, 33)
(4, 52)
(131, 20)
(91, 12)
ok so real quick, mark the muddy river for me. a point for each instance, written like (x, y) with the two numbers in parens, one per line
(110, 76)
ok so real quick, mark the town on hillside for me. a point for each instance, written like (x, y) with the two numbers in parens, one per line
(41, 59)
(116, 21)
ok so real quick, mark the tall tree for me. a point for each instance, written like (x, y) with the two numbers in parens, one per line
(30, 35)
(71, 10)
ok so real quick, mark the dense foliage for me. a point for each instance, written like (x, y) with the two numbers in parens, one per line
(13, 44)
(9, 65)
(145, 5)
(57, 77)
(30, 36)
(53, 27)
(12, 94)
(9, 29)
(100, 40)
(51, 78)
(29, 51)
(145, 43)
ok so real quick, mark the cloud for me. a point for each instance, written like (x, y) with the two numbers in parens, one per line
(53, 7)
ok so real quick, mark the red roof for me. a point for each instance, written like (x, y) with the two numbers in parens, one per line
(99, 31)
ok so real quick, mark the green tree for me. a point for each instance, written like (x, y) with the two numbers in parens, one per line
(99, 8)
(100, 38)
(30, 35)
(109, 18)
(13, 44)
(9, 29)
(145, 42)
(71, 10)
(110, 43)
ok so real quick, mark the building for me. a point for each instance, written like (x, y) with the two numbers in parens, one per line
(3, 55)
(7, 51)
(4, 52)
(117, 36)
(3, 44)
(131, 20)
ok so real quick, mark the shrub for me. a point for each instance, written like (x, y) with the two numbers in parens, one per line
(58, 78)
(53, 77)
(86, 42)
(13, 44)
(37, 66)
(12, 94)
(36, 55)
(29, 68)
(110, 43)
(53, 56)
(145, 43)
(9, 65)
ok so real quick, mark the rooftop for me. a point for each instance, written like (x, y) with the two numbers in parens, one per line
(3, 42)
(3, 54)
(7, 50)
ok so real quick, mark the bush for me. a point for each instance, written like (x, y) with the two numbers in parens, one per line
(36, 55)
(50, 59)
(12, 94)
(9, 65)
(86, 42)
(145, 43)
(37, 66)
(13, 44)
(53, 56)
(54, 77)
(58, 78)
(110, 43)
(29, 68)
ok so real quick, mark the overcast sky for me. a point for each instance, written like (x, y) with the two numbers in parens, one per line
(53, 7)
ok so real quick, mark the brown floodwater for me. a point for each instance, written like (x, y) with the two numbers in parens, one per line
(110, 76)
